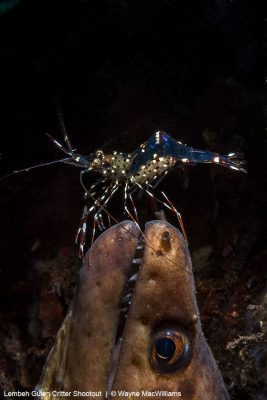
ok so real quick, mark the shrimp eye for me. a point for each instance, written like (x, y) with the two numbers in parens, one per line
(99, 153)
(170, 349)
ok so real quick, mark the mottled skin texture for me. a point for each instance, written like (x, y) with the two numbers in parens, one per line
(81, 355)
(165, 291)
(164, 294)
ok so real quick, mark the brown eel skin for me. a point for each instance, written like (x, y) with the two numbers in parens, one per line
(157, 349)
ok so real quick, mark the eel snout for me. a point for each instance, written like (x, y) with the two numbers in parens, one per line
(134, 323)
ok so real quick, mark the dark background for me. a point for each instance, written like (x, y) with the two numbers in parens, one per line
(119, 71)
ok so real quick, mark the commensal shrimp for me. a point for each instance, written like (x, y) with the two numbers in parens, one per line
(141, 170)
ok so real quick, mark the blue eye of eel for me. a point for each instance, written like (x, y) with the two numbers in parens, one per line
(170, 349)
(165, 348)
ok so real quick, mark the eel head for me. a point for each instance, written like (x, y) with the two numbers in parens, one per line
(134, 325)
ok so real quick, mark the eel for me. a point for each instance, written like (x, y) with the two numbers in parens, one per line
(133, 329)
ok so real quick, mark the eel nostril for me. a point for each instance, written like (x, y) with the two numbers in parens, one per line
(166, 241)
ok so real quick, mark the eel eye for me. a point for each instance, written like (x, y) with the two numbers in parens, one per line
(170, 349)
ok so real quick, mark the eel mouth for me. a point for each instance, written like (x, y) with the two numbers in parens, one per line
(125, 303)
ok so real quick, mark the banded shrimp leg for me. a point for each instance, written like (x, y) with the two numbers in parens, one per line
(98, 214)
(99, 204)
(178, 215)
(169, 206)
(126, 195)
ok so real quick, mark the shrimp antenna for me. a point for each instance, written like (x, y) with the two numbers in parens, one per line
(33, 167)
